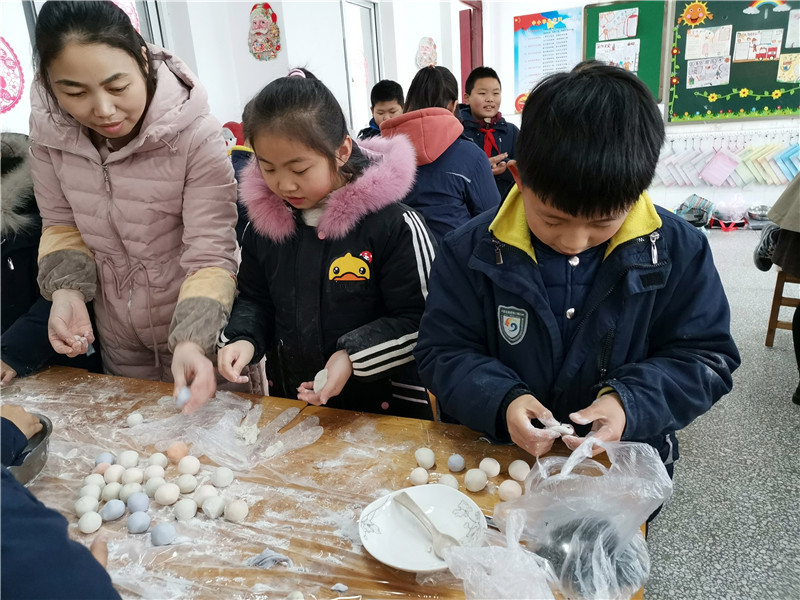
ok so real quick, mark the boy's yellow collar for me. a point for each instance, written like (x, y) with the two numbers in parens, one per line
(511, 227)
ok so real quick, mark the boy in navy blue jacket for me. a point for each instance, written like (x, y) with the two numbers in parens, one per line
(484, 125)
(386, 101)
(579, 301)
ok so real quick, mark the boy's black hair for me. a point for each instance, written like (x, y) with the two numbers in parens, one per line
(304, 110)
(61, 23)
(590, 140)
(431, 87)
(480, 73)
(386, 90)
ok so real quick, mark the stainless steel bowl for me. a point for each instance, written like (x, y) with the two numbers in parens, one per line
(35, 453)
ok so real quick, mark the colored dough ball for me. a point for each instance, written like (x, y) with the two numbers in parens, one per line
(162, 534)
(456, 463)
(138, 522)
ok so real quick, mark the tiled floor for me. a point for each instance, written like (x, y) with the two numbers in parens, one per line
(732, 528)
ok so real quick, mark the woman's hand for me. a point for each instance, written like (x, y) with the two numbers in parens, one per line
(69, 328)
(6, 373)
(339, 370)
(191, 368)
(233, 358)
(27, 423)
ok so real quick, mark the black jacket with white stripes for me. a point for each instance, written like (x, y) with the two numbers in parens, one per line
(357, 281)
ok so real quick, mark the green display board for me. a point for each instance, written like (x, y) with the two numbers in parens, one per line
(628, 30)
(734, 60)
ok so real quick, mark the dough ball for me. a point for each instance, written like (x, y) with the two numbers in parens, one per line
(176, 452)
(154, 471)
(162, 534)
(90, 522)
(128, 490)
(135, 419)
(490, 466)
(456, 463)
(104, 457)
(112, 510)
(128, 458)
(204, 492)
(184, 395)
(187, 483)
(113, 474)
(132, 475)
(152, 485)
(138, 522)
(111, 491)
(101, 468)
(95, 479)
(138, 502)
(320, 379)
(449, 481)
(85, 504)
(189, 464)
(519, 470)
(185, 509)
(91, 490)
(167, 494)
(159, 459)
(475, 480)
(214, 506)
(425, 458)
(509, 490)
(236, 511)
(419, 476)
(222, 477)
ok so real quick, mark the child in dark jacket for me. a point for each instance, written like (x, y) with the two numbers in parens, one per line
(334, 269)
(484, 125)
(579, 301)
(386, 101)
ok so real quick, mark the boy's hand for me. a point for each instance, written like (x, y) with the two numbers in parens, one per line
(607, 416)
(233, 358)
(339, 370)
(99, 550)
(69, 328)
(27, 423)
(189, 363)
(498, 163)
(519, 415)
(6, 373)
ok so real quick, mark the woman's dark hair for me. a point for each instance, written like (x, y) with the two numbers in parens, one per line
(431, 87)
(590, 140)
(60, 23)
(303, 109)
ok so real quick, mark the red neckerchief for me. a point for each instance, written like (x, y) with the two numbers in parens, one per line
(488, 130)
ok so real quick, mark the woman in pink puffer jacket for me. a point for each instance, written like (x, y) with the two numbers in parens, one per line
(137, 198)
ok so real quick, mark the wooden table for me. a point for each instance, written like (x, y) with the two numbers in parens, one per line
(304, 504)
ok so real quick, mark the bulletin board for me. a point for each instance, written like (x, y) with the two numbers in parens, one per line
(734, 60)
(630, 35)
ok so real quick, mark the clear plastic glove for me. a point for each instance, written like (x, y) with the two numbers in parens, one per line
(69, 328)
(191, 368)
(233, 358)
(339, 370)
(608, 420)
(27, 423)
(6, 373)
(532, 439)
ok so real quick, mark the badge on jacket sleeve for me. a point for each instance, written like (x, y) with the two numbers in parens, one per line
(513, 323)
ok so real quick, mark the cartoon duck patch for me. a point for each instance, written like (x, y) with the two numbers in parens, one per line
(350, 268)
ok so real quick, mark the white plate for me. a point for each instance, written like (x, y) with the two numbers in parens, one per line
(395, 537)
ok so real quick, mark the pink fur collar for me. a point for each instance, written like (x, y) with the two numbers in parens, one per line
(386, 181)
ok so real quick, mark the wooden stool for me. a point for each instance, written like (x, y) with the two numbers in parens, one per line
(778, 300)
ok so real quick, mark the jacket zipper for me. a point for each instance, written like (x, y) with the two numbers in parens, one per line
(10, 263)
(605, 355)
(653, 250)
(498, 254)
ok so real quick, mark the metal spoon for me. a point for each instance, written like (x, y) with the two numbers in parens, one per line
(441, 541)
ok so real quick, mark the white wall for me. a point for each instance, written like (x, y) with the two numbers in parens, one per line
(14, 30)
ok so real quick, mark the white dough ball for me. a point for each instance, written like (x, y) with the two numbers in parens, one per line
(475, 480)
(132, 475)
(153, 471)
(159, 458)
(425, 458)
(222, 477)
(214, 506)
(236, 511)
(509, 490)
(85, 504)
(90, 522)
(419, 476)
(189, 465)
(320, 380)
(135, 419)
(449, 481)
(91, 490)
(152, 485)
(204, 492)
(185, 509)
(95, 479)
(111, 491)
(113, 473)
(167, 494)
(490, 466)
(128, 490)
(187, 483)
(128, 458)
(519, 470)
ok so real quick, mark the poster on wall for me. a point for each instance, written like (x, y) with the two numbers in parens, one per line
(707, 72)
(12, 81)
(618, 24)
(762, 44)
(264, 36)
(426, 53)
(789, 67)
(708, 42)
(621, 53)
(544, 43)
